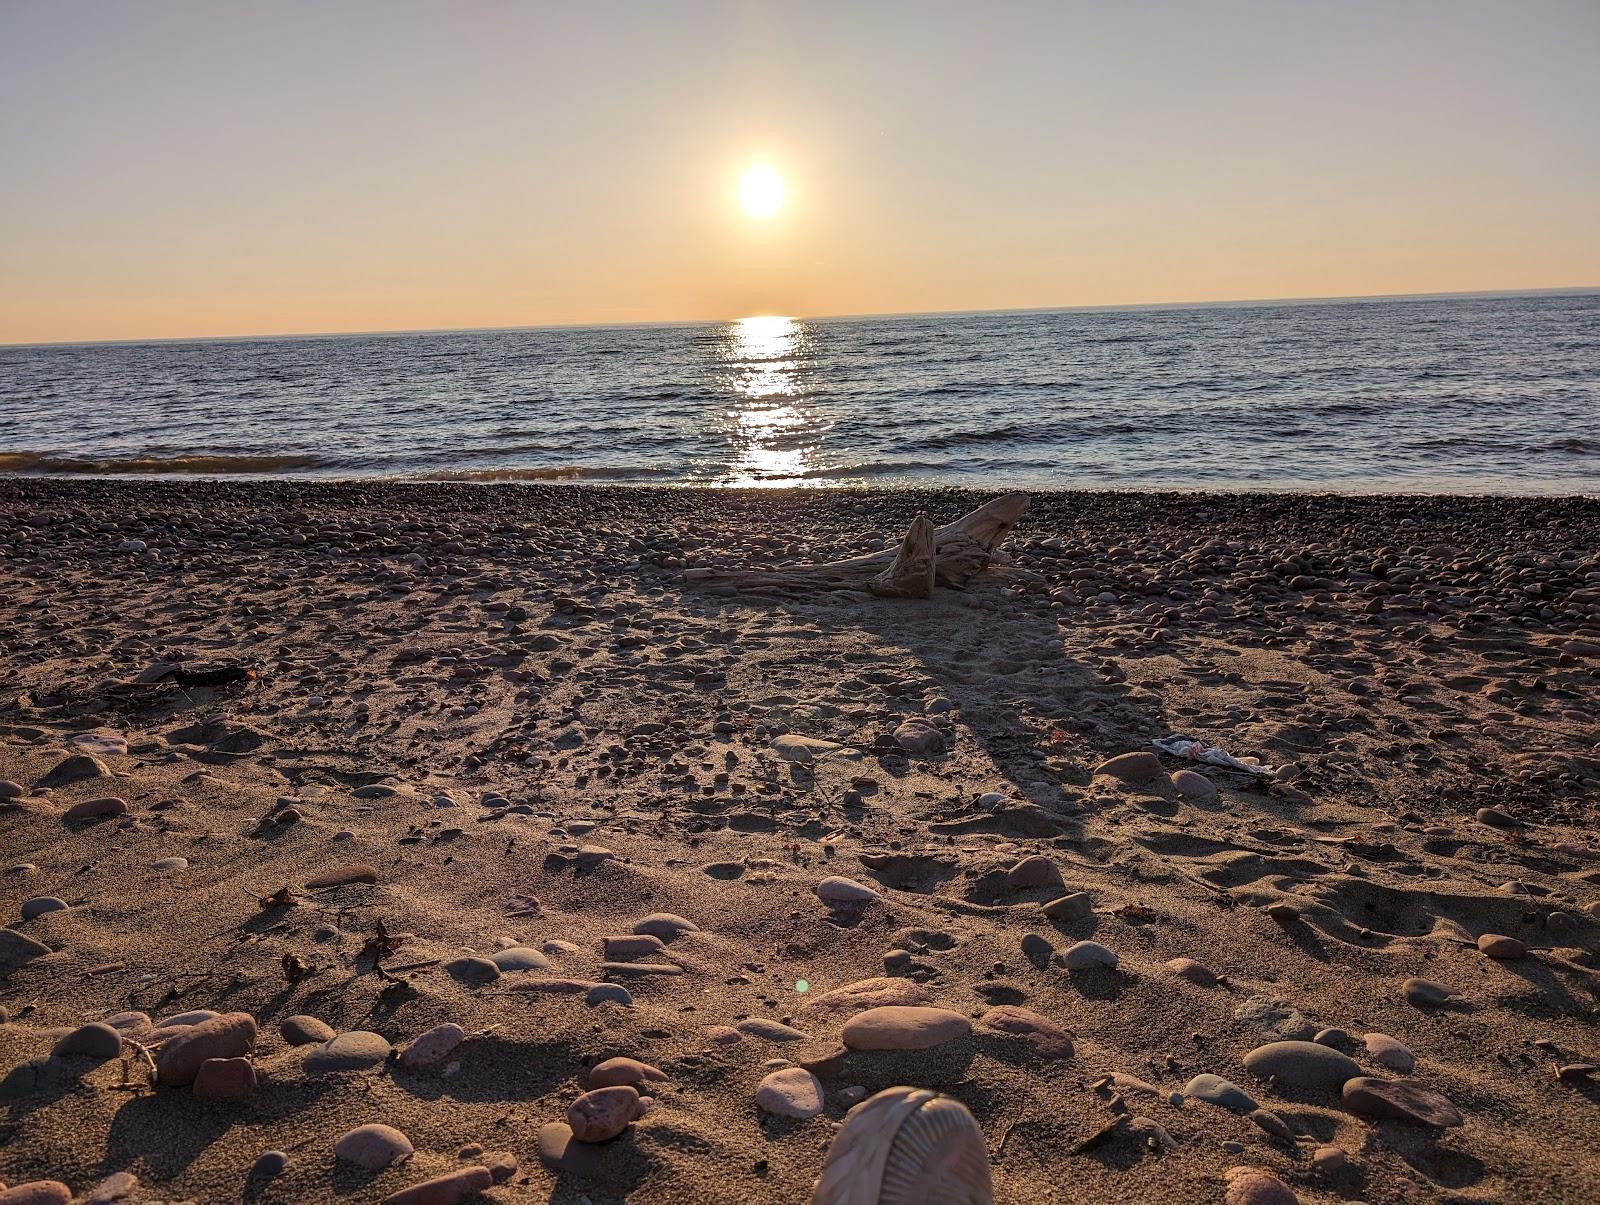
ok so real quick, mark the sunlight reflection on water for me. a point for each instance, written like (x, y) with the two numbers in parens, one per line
(775, 438)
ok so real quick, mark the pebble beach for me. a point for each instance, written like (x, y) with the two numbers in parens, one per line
(374, 841)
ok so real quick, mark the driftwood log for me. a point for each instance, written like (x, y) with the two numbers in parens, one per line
(951, 555)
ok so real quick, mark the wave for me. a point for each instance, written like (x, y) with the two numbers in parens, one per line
(1572, 443)
(874, 468)
(570, 472)
(201, 464)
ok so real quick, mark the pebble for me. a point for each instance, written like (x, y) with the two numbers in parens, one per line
(1389, 1052)
(1496, 818)
(1195, 972)
(632, 945)
(520, 958)
(353, 1051)
(603, 1113)
(1339, 1039)
(870, 993)
(40, 904)
(225, 1079)
(1077, 906)
(918, 738)
(17, 949)
(269, 1165)
(77, 768)
(452, 1188)
(373, 1147)
(94, 1041)
(230, 1035)
(1046, 1038)
(839, 890)
(770, 1030)
(803, 749)
(1194, 786)
(1035, 871)
(10, 790)
(619, 1071)
(37, 1192)
(344, 876)
(95, 809)
(1270, 1123)
(790, 1092)
(1135, 768)
(1330, 1160)
(193, 1017)
(1086, 955)
(1215, 1090)
(1498, 945)
(613, 993)
(726, 871)
(1426, 993)
(129, 1022)
(432, 1046)
(1398, 1100)
(1037, 950)
(472, 970)
(904, 1027)
(301, 1030)
(168, 865)
(640, 968)
(665, 926)
(1301, 1065)
(118, 1186)
(1252, 1186)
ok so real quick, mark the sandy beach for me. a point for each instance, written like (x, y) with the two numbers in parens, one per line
(364, 762)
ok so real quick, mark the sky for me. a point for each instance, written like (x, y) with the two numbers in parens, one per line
(201, 169)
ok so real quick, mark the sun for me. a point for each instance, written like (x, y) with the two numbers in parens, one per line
(761, 191)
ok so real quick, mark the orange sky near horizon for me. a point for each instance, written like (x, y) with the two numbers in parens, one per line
(179, 169)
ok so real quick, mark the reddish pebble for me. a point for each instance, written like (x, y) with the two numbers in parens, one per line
(92, 809)
(604, 1113)
(432, 1046)
(225, 1079)
(228, 1036)
(614, 1072)
(1498, 945)
(1037, 871)
(345, 875)
(37, 1192)
(448, 1189)
(1252, 1186)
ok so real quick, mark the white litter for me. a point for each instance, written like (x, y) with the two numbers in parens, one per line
(1198, 750)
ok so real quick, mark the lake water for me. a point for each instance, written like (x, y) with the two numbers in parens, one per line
(1466, 394)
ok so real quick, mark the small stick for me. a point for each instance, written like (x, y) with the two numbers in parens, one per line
(144, 1050)
(1099, 1137)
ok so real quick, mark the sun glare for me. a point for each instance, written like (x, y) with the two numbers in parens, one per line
(761, 191)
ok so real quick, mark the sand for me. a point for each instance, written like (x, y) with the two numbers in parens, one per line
(505, 709)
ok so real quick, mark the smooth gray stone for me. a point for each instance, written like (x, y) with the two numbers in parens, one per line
(1215, 1090)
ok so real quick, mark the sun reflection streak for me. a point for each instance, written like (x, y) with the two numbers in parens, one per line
(774, 437)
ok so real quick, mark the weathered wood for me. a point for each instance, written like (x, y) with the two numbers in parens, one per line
(951, 555)
(913, 571)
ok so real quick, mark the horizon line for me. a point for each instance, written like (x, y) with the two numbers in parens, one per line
(1552, 291)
